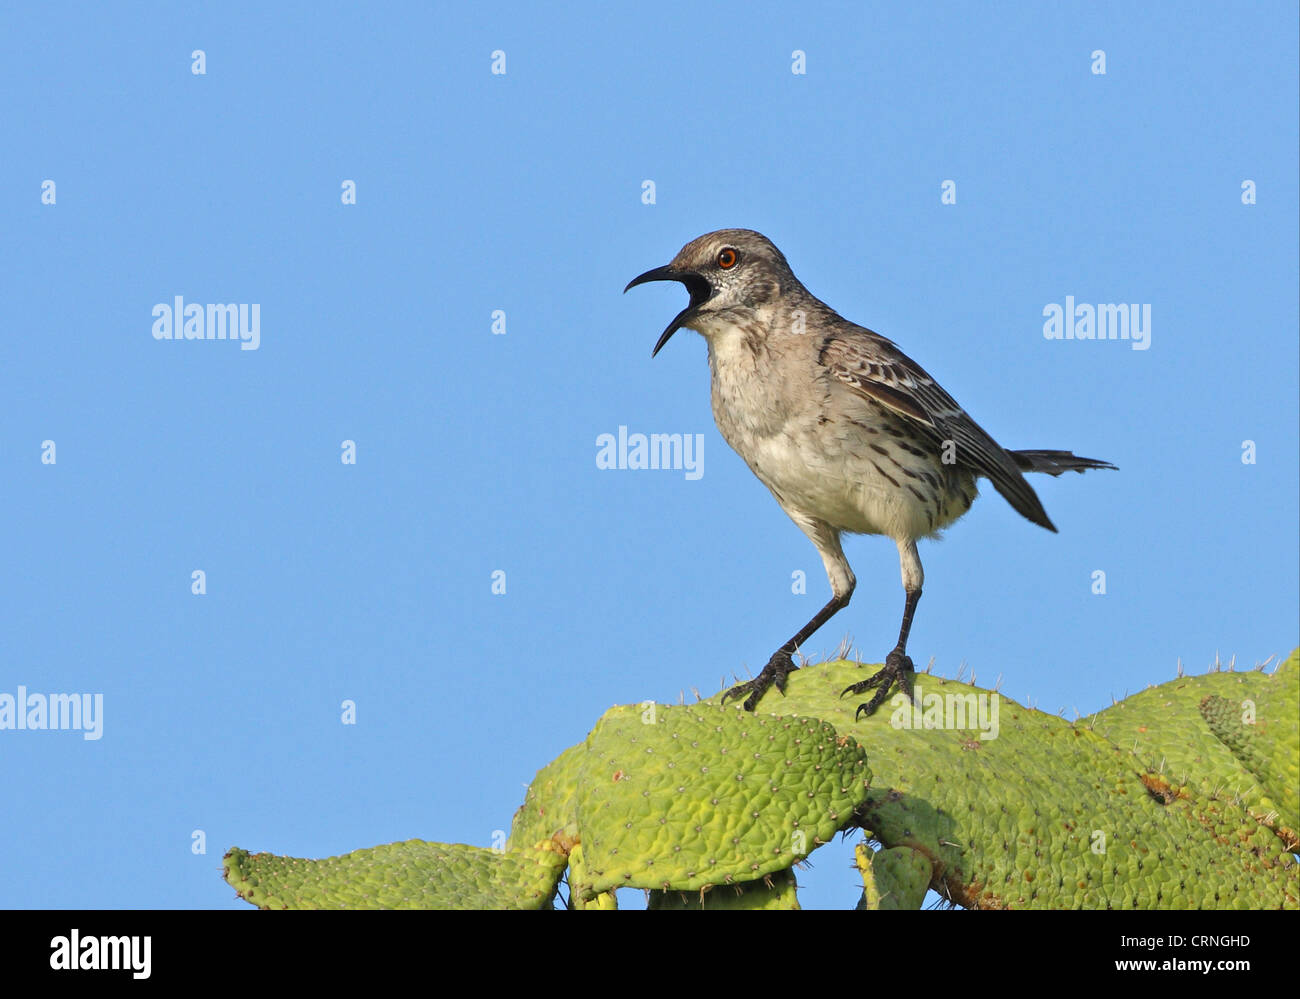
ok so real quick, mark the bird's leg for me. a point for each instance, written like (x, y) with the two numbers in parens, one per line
(781, 665)
(898, 667)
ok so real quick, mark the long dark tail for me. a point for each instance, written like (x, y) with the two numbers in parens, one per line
(1056, 462)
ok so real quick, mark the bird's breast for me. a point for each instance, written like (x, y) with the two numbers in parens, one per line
(751, 402)
(844, 459)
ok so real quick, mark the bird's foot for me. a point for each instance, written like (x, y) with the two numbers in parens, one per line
(898, 670)
(774, 673)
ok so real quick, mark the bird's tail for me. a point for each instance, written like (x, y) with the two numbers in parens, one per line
(1055, 462)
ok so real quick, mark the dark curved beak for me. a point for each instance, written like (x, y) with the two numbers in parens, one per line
(697, 285)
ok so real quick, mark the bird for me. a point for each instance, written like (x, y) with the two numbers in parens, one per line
(849, 434)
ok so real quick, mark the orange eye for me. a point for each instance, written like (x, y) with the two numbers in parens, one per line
(727, 258)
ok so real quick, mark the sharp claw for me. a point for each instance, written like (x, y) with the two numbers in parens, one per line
(866, 684)
(898, 670)
(739, 690)
(773, 675)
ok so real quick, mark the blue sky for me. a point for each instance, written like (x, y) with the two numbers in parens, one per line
(476, 452)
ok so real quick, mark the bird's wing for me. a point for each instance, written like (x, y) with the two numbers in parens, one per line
(874, 366)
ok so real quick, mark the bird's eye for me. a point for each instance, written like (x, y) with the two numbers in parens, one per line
(727, 258)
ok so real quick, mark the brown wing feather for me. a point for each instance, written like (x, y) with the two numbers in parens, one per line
(874, 366)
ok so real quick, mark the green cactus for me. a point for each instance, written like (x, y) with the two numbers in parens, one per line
(685, 798)
(775, 891)
(893, 878)
(1183, 795)
(410, 875)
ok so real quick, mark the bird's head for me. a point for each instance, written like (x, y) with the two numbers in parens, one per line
(728, 273)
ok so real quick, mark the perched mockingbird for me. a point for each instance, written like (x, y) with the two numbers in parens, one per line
(847, 432)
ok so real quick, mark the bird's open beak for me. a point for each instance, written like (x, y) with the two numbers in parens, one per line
(697, 285)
